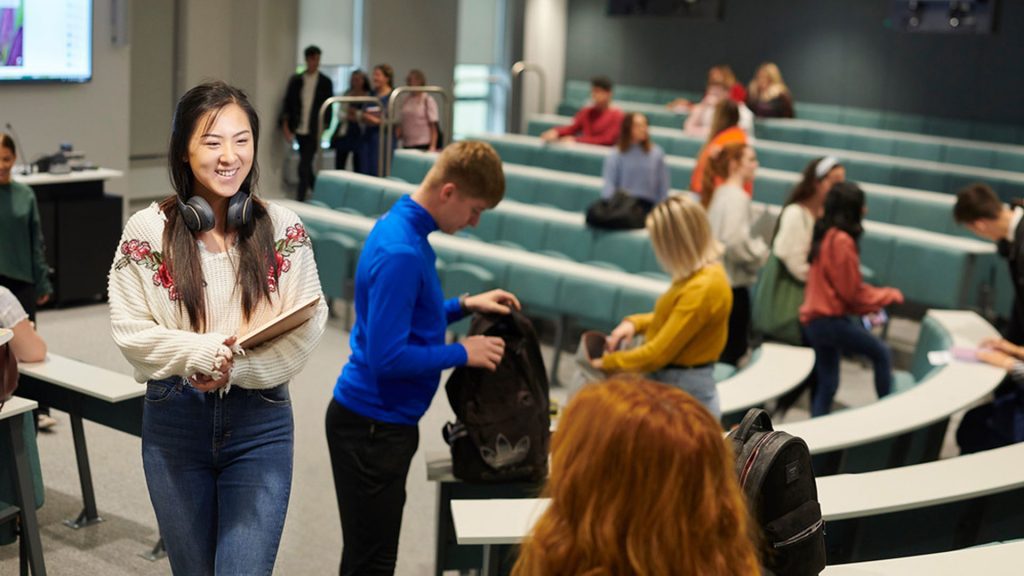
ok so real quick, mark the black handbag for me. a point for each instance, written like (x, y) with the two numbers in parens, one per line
(620, 212)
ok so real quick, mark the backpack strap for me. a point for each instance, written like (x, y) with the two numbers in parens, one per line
(756, 420)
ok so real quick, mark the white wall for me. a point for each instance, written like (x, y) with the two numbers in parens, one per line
(413, 34)
(93, 116)
(545, 28)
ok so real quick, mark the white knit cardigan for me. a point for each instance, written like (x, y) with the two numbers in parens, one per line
(153, 330)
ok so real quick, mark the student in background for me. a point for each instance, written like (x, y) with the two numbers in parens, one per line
(835, 292)
(418, 129)
(721, 75)
(641, 482)
(349, 142)
(728, 207)
(190, 275)
(26, 343)
(685, 334)
(769, 97)
(399, 350)
(725, 130)
(636, 166)
(307, 92)
(595, 124)
(383, 81)
(702, 114)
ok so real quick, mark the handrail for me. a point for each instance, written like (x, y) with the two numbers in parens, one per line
(384, 157)
(320, 121)
(517, 70)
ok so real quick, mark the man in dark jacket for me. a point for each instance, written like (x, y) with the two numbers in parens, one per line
(307, 91)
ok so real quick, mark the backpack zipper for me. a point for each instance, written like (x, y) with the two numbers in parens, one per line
(753, 456)
(800, 535)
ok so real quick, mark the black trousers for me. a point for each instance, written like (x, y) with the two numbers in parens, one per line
(307, 153)
(370, 460)
(739, 327)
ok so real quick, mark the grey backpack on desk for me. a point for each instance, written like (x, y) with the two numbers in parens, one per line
(774, 470)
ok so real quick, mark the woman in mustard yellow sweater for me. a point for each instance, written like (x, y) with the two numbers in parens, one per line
(687, 330)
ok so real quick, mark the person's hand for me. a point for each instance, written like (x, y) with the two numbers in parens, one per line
(205, 383)
(494, 301)
(896, 295)
(289, 136)
(549, 135)
(1001, 345)
(43, 299)
(484, 351)
(623, 334)
(597, 363)
(371, 118)
(996, 358)
(567, 139)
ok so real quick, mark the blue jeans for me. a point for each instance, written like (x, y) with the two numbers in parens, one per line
(697, 382)
(831, 336)
(219, 472)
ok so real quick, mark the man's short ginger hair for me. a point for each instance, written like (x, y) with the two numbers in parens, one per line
(976, 202)
(475, 169)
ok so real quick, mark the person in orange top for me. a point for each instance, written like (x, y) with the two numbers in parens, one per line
(725, 130)
(686, 332)
(641, 482)
(835, 291)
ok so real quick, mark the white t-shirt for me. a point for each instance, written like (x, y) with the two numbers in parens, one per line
(11, 311)
(308, 91)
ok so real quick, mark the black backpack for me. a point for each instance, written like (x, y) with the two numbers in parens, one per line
(620, 212)
(503, 427)
(774, 470)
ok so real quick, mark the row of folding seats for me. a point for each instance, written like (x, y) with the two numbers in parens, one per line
(880, 170)
(577, 92)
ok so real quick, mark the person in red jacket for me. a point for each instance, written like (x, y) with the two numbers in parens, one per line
(835, 291)
(595, 124)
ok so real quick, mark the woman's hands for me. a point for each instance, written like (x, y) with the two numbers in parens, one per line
(622, 335)
(205, 383)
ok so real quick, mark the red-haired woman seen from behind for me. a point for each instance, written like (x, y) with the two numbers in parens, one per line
(642, 482)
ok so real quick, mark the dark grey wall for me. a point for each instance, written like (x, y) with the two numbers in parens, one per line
(830, 51)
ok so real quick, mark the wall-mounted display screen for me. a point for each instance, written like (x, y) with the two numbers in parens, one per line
(46, 40)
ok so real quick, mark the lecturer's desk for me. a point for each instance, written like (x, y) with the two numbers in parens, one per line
(81, 226)
(85, 392)
(12, 418)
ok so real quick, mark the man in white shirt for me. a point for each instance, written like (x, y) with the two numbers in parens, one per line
(307, 91)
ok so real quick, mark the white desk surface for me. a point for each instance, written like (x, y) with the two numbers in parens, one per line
(5, 335)
(495, 521)
(778, 369)
(995, 560)
(17, 405)
(930, 484)
(955, 387)
(84, 378)
(74, 176)
(491, 251)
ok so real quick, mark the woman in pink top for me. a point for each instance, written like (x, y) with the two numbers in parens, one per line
(835, 291)
(419, 117)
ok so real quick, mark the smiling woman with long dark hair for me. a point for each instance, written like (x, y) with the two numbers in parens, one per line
(190, 275)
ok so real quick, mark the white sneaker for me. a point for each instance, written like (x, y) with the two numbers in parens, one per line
(45, 421)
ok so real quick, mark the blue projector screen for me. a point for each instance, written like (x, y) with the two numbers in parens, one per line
(46, 40)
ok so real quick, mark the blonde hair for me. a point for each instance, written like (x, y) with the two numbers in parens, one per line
(475, 169)
(682, 238)
(675, 507)
(775, 87)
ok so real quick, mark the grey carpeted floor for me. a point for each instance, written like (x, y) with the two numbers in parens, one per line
(311, 542)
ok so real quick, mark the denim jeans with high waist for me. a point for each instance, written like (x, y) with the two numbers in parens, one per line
(219, 472)
(697, 382)
(831, 336)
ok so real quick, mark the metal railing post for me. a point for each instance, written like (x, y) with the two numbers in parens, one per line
(323, 112)
(384, 162)
(517, 70)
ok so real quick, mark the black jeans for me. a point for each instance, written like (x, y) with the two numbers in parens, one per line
(307, 153)
(739, 327)
(370, 460)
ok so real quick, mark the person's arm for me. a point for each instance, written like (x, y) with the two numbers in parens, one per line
(685, 320)
(575, 127)
(155, 351)
(842, 271)
(432, 121)
(27, 345)
(791, 243)
(392, 300)
(279, 360)
(741, 248)
(663, 179)
(40, 269)
(610, 174)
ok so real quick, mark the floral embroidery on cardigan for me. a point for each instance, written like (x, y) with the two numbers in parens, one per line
(295, 238)
(141, 253)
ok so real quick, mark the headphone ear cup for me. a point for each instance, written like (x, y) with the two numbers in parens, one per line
(197, 214)
(239, 210)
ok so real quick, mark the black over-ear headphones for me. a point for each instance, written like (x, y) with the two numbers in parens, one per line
(199, 216)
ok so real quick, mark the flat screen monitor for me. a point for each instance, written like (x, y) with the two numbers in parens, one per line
(46, 40)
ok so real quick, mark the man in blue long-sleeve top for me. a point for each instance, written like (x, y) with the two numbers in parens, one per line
(399, 351)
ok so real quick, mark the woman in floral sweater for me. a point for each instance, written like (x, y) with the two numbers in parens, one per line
(190, 276)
